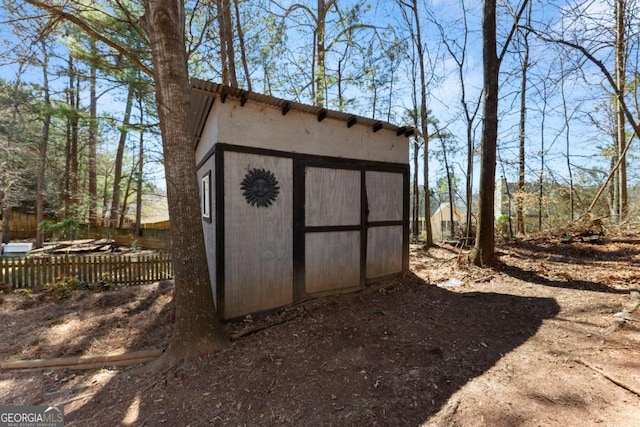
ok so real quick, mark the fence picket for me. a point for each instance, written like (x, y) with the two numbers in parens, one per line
(33, 273)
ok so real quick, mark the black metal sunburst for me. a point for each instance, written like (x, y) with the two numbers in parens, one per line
(260, 187)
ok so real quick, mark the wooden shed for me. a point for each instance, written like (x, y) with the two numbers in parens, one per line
(297, 200)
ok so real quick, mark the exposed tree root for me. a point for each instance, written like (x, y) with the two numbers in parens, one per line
(610, 377)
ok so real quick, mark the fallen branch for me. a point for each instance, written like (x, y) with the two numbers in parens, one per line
(610, 377)
(629, 240)
(86, 362)
(260, 328)
(123, 362)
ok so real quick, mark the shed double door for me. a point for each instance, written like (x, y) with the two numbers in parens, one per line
(330, 227)
(353, 226)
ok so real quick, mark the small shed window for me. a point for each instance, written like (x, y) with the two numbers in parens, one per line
(206, 196)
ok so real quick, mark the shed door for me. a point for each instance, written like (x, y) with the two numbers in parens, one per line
(258, 192)
(333, 229)
(353, 228)
(384, 196)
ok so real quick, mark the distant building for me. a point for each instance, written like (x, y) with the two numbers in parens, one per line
(439, 216)
(441, 224)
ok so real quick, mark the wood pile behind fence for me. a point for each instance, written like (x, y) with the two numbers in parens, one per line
(151, 238)
(34, 272)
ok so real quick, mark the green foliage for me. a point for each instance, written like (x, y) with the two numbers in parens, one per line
(18, 117)
(23, 292)
(62, 287)
(107, 284)
(66, 228)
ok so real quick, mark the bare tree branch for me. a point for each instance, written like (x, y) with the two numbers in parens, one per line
(85, 26)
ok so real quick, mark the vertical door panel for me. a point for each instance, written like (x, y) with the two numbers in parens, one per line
(385, 228)
(258, 240)
(384, 195)
(332, 261)
(332, 256)
(332, 197)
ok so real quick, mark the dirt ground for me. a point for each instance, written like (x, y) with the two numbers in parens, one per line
(530, 343)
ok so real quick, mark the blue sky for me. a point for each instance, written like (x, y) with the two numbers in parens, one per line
(584, 141)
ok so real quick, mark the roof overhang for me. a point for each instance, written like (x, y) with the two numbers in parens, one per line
(204, 94)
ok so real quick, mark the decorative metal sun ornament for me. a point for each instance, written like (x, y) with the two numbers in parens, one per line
(260, 187)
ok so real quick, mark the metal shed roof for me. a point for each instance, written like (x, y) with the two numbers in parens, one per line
(204, 94)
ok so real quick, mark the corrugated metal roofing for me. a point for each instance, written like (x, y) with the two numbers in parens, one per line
(204, 93)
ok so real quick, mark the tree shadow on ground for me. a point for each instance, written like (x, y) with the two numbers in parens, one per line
(575, 253)
(125, 319)
(389, 355)
(578, 285)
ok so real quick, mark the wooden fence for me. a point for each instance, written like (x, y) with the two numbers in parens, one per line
(151, 238)
(155, 235)
(22, 225)
(34, 272)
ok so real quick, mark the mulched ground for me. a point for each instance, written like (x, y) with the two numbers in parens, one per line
(532, 342)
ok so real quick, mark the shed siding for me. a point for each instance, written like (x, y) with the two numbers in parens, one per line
(258, 241)
(299, 132)
(209, 227)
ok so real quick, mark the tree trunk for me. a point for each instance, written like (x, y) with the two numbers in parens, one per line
(423, 126)
(125, 198)
(483, 253)
(469, 179)
(105, 201)
(416, 194)
(227, 54)
(44, 142)
(223, 45)
(74, 176)
(520, 228)
(621, 56)
(320, 70)
(228, 39)
(66, 175)
(542, 156)
(117, 174)
(140, 171)
(243, 53)
(93, 142)
(567, 146)
(197, 327)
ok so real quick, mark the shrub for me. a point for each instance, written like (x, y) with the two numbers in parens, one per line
(62, 287)
(66, 228)
(107, 284)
